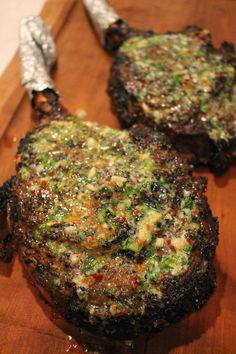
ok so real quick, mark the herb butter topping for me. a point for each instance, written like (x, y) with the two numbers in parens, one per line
(177, 78)
(119, 217)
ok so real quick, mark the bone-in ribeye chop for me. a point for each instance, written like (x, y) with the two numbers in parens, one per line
(174, 82)
(110, 224)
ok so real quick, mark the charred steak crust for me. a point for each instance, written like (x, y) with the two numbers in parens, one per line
(112, 226)
(118, 32)
(7, 243)
(46, 105)
(180, 84)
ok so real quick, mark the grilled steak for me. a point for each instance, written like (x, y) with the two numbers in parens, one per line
(112, 227)
(110, 224)
(177, 83)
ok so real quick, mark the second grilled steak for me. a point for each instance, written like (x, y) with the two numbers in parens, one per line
(179, 83)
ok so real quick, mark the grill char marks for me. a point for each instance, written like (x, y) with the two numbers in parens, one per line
(180, 84)
(112, 227)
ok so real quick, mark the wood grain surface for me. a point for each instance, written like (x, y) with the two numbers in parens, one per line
(27, 326)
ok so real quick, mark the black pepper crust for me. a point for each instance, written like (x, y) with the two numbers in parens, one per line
(189, 135)
(46, 249)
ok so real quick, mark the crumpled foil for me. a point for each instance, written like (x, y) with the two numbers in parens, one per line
(37, 54)
(102, 16)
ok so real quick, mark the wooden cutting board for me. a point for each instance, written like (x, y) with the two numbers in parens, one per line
(26, 324)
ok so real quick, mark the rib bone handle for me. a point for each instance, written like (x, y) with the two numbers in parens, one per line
(110, 28)
(38, 57)
(37, 54)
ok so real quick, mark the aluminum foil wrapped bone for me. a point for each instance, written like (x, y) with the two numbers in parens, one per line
(102, 16)
(37, 54)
